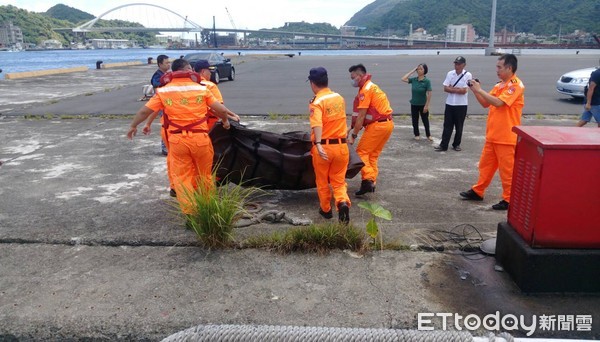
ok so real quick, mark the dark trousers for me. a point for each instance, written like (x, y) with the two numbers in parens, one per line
(415, 111)
(454, 118)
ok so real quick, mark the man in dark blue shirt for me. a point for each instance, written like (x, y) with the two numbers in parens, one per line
(592, 100)
(164, 64)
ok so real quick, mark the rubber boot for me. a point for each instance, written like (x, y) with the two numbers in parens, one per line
(365, 186)
(344, 213)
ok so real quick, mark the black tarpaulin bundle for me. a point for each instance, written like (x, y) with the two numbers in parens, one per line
(266, 159)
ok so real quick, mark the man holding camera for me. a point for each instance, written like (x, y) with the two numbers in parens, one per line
(505, 101)
(457, 100)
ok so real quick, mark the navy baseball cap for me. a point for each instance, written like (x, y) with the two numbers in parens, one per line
(201, 64)
(316, 74)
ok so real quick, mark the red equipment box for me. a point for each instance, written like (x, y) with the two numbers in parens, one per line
(555, 197)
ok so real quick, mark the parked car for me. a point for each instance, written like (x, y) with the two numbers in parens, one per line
(573, 82)
(220, 67)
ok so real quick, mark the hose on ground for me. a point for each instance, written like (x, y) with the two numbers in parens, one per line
(267, 333)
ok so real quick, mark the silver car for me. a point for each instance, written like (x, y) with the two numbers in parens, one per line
(573, 82)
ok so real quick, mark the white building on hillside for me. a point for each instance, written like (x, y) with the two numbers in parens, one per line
(463, 33)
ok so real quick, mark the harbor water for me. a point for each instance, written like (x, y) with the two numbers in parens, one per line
(52, 59)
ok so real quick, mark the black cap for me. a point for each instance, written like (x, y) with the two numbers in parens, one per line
(201, 64)
(460, 60)
(317, 73)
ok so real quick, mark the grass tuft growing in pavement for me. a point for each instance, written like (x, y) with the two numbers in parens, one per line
(216, 209)
(316, 238)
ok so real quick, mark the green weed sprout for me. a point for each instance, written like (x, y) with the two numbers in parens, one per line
(376, 211)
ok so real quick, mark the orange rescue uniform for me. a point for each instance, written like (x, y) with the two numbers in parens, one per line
(500, 141)
(328, 110)
(377, 133)
(210, 121)
(212, 87)
(185, 103)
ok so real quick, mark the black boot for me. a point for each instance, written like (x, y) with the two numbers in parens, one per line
(365, 186)
(326, 214)
(343, 213)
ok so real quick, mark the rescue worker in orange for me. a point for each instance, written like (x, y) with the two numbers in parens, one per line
(372, 111)
(202, 67)
(185, 104)
(505, 101)
(330, 153)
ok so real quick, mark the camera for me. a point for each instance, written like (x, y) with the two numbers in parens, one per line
(470, 82)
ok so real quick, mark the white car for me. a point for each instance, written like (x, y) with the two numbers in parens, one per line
(573, 82)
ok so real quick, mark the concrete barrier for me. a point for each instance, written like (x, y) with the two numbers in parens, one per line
(38, 73)
(118, 65)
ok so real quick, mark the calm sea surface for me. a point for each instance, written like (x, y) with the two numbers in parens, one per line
(42, 60)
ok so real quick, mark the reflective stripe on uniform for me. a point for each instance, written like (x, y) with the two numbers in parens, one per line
(325, 97)
(170, 89)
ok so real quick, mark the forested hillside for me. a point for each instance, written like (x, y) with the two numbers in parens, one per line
(38, 27)
(70, 14)
(542, 17)
(301, 27)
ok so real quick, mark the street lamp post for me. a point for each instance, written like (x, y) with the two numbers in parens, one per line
(490, 49)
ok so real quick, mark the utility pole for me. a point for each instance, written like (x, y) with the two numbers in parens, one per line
(490, 49)
(559, 33)
(215, 32)
(388, 35)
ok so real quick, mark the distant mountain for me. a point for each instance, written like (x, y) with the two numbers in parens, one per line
(300, 27)
(38, 27)
(64, 12)
(372, 12)
(543, 17)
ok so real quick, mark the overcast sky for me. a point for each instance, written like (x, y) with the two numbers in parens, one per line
(246, 14)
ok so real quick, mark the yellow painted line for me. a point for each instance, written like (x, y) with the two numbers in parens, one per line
(38, 73)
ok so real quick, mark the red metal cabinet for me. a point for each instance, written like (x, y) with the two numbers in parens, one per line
(555, 196)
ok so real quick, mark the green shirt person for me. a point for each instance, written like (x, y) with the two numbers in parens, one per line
(421, 96)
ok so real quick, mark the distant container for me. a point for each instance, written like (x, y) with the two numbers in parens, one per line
(556, 187)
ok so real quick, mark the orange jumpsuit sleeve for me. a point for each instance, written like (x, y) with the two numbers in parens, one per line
(316, 115)
(210, 98)
(214, 89)
(155, 103)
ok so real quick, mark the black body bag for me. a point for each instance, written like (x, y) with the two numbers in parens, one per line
(266, 159)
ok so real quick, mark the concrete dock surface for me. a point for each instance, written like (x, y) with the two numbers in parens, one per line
(91, 248)
(276, 84)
